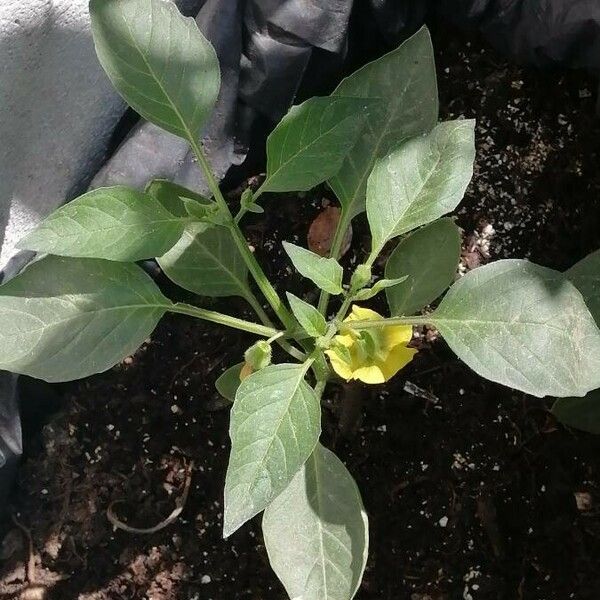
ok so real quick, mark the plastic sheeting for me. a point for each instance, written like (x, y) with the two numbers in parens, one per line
(536, 32)
(268, 47)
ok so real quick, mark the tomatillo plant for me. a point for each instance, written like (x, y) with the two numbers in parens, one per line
(377, 142)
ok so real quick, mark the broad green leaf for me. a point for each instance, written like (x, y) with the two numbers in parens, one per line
(311, 141)
(326, 273)
(206, 261)
(430, 258)
(158, 61)
(114, 223)
(229, 381)
(382, 284)
(420, 181)
(316, 531)
(275, 425)
(580, 413)
(67, 318)
(524, 326)
(404, 80)
(172, 196)
(585, 276)
(311, 320)
(584, 413)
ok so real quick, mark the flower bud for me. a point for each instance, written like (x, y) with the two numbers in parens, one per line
(258, 356)
(360, 277)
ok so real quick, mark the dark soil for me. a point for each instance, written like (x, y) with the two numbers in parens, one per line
(473, 490)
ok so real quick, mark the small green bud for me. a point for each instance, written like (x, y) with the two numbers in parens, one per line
(360, 277)
(258, 356)
(247, 198)
(196, 209)
(217, 215)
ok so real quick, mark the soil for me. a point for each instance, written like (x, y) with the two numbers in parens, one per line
(473, 490)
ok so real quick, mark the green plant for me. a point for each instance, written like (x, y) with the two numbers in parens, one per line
(377, 143)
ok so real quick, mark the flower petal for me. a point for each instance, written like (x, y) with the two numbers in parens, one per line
(397, 335)
(397, 359)
(362, 314)
(339, 366)
(369, 374)
(345, 340)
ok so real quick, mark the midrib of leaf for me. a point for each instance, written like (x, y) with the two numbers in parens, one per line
(409, 206)
(436, 320)
(320, 525)
(76, 335)
(391, 115)
(260, 464)
(114, 227)
(84, 313)
(217, 259)
(304, 149)
(515, 366)
(159, 81)
(367, 171)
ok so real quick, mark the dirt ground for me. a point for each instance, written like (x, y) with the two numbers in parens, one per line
(473, 490)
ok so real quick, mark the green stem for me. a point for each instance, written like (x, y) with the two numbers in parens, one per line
(221, 319)
(264, 317)
(297, 354)
(263, 283)
(371, 324)
(320, 388)
(239, 216)
(373, 255)
(259, 192)
(213, 185)
(341, 313)
(335, 251)
(255, 269)
(258, 309)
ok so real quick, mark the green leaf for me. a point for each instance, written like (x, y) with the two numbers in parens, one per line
(585, 276)
(158, 61)
(275, 425)
(311, 320)
(405, 82)
(430, 258)
(228, 382)
(206, 261)
(67, 318)
(311, 141)
(524, 326)
(382, 284)
(420, 181)
(114, 223)
(326, 273)
(172, 196)
(580, 413)
(316, 531)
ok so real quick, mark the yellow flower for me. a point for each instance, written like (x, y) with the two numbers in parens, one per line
(371, 355)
